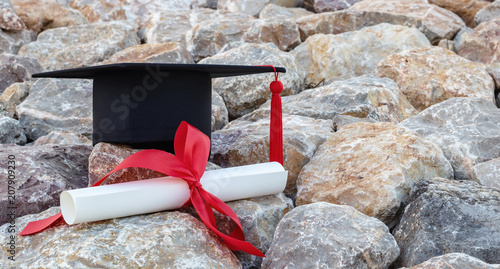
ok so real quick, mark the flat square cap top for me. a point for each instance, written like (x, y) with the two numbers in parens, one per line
(215, 71)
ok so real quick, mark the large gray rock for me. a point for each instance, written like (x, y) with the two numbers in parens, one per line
(336, 57)
(9, 20)
(11, 131)
(244, 142)
(62, 138)
(447, 216)
(272, 11)
(284, 33)
(488, 13)
(16, 69)
(324, 235)
(455, 261)
(319, 6)
(482, 44)
(57, 105)
(11, 42)
(40, 175)
(487, 173)
(171, 52)
(371, 167)
(253, 7)
(243, 94)
(81, 45)
(163, 240)
(467, 130)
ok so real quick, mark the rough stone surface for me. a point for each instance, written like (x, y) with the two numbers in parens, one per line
(40, 15)
(336, 57)
(11, 42)
(57, 105)
(171, 52)
(8, 17)
(220, 116)
(11, 131)
(81, 45)
(455, 261)
(284, 33)
(367, 97)
(247, 142)
(253, 7)
(16, 69)
(167, 240)
(63, 138)
(465, 9)
(272, 11)
(340, 121)
(13, 96)
(488, 13)
(371, 167)
(482, 44)
(431, 75)
(447, 216)
(467, 130)
(319, 6)
(487, 173)
(243, 94)
(41, 173)
(323, 235)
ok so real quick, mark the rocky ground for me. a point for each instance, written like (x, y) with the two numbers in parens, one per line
(391, 130)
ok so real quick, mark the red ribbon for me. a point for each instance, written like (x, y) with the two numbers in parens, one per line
(192, 149)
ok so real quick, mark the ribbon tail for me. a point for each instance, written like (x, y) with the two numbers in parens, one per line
(40, 225)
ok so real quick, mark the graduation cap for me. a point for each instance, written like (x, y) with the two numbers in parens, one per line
(142, 104)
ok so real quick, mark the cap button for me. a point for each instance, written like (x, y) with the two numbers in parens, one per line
(276, 86)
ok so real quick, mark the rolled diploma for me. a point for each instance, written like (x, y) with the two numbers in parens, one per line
(166, 193)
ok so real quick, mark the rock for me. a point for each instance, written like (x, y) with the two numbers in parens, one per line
(465, 9)
(41, 174)
(494, 72)
(487, 173)
(455, 261)
(272, 11)
(57, 105)
(46, 14)
(16, 69)
(247, 142)
(9, 20)
(446, 44)
(482, 44)
(319, 6)
(153, 53)
(435, 22)
(308, 235)
(337, 57)
(62, 138)
(466, 129)
(371, 167)
(340, 121)
(282, 32)
(367, 97)
(11, 42)
(243, 94)
(81, 45)
(431, 75)
(13, 96)
(447, 216)
(220, 116)
(167, 239)
(488, 13)
(253, 7)
(11, 131)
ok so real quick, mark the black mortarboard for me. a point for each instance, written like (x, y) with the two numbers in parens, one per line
(142, 104)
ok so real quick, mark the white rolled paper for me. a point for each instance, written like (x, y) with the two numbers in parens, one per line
(166, 193)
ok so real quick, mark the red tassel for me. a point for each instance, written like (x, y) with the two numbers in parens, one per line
(276, 127)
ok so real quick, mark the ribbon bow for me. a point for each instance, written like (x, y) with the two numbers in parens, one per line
(192, 148)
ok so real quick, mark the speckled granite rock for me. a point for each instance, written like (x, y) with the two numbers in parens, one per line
(247, 142)
(13, 96)
(371, 167)
(487, 173)
(15, 68)
(465, 9)
(12, 41)
(324, 235)
(336, 57)
(435, 22)
(220, 116)
(319, 6)
(81, 45)
(11, 131)
(57, 105)
(447, 216)
(467, 130)
(171, 52)
(9, 20)
(41, 173)
(243, 94)
(63, 138)
(272, 11)
(40, 15)
(488, 13)
(282, 32)
(455, 261)
(166, 240)
(431, 75)
(253, 7)
(482, 44)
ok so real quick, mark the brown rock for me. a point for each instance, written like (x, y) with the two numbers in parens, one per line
(253, 7)
(153, 53)
(272, 11)
(283, 33)
(483, 43)
(431, 75)
(8, 17)
(371, 167)
(465, 9)
(13, 96)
